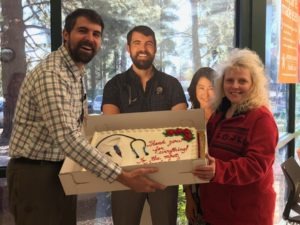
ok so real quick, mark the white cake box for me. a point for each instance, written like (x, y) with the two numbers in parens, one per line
(76, 180)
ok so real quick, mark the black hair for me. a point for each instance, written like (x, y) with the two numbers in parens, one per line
(206, 72)
(145, 30)
(90, 14)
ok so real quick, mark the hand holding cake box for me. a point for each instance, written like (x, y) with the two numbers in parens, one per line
(148, 146)
(137, 180)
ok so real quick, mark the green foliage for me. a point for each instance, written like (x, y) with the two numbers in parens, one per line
(174, 40)
(181, 218)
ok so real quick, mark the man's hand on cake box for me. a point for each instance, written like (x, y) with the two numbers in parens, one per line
(206, 172)
(137, 180)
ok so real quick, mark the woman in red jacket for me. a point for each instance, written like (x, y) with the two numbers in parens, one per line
(242, 138)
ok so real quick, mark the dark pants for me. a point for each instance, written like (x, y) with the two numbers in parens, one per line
(36, 196)
(127, 206)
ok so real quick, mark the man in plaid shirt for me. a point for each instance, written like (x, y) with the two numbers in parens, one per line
(47, 128)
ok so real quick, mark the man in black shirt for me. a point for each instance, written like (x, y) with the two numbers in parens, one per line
(143, 88)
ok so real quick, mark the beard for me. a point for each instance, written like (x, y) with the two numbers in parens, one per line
(144, 63)
(80, 56)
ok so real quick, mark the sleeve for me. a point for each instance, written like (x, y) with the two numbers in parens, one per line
(111, 92)
(53, 99)
(259, 158)
(176, 92)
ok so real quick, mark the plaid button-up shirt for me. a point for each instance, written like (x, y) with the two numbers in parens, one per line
(48, 118)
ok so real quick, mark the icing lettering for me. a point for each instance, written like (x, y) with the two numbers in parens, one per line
(173, 142)
(154, 143)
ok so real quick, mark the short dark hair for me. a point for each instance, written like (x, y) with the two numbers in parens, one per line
(90, 14)
(206, 72)
(145, 30)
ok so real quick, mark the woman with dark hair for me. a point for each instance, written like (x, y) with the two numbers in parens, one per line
(201, 90)
(202, 95)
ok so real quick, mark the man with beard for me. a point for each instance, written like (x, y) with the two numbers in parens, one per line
(143, 88)
(47, 128)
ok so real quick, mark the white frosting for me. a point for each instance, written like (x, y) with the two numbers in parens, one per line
(145, 146)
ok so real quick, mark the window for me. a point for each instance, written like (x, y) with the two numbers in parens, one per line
(279, 183)
(24, 33)
(278, 92)
(279, 96)
(25, 39)
(189, 34)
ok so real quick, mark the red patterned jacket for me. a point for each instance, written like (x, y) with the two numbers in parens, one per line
(241, 193)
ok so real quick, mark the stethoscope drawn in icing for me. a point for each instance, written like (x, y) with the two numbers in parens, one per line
(114, 143)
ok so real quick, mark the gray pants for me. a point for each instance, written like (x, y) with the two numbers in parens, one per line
(36, 196)
(127, 206)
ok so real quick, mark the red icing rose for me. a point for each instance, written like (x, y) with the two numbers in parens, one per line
(186, 133)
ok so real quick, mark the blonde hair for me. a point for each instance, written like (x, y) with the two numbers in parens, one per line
(245, 58)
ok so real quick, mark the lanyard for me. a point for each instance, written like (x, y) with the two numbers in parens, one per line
(84, 111)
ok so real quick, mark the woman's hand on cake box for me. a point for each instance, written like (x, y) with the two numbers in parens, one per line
(137, 180)
(206, 172)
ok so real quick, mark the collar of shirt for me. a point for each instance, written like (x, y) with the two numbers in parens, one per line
(74, 69)
(134, 80)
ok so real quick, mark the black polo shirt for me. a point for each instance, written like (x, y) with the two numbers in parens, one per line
(126, 92)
